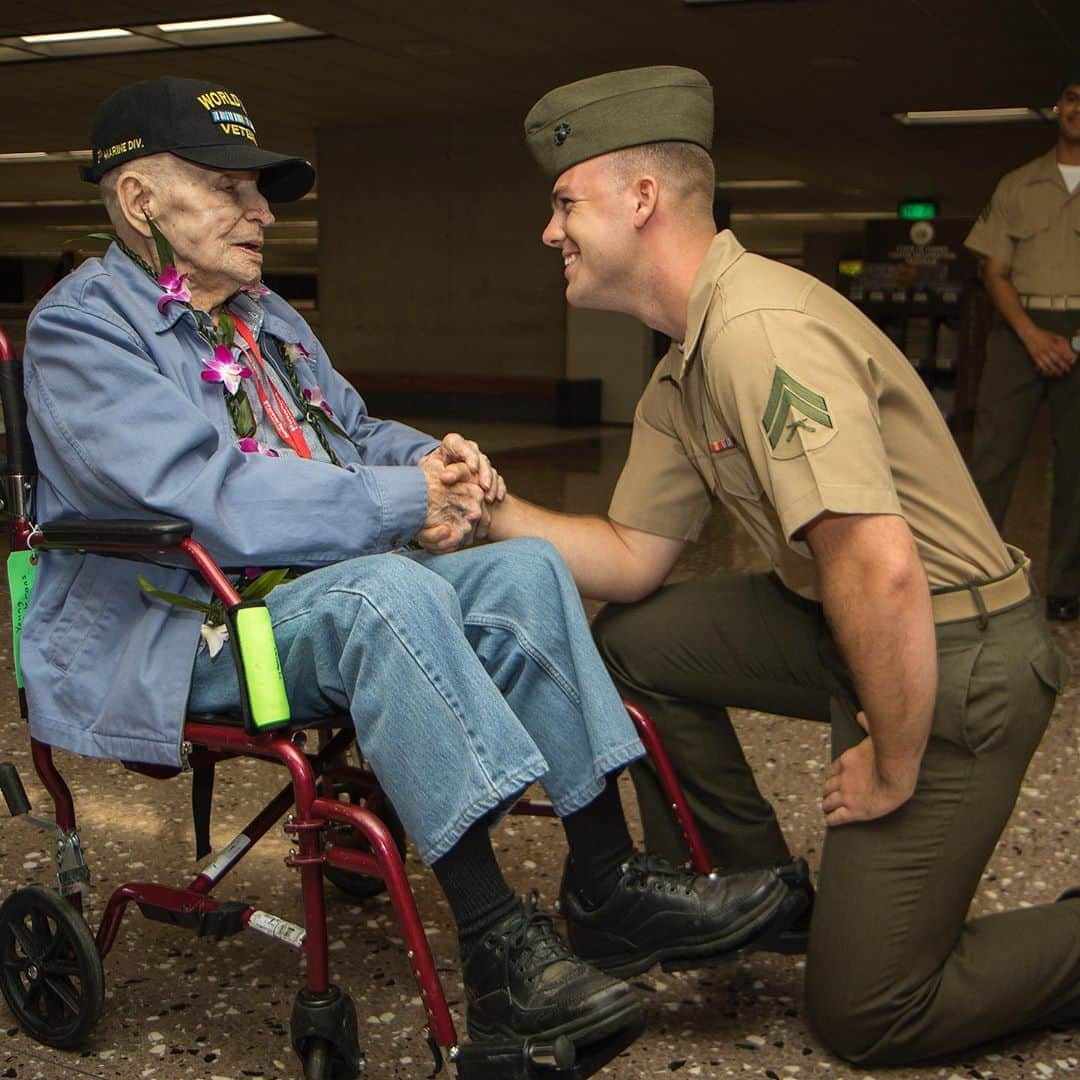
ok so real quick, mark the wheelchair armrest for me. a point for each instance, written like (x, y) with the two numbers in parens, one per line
(118, 535)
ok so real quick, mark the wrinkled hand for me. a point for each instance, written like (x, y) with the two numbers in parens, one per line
(455, 507)
(456, 448)
(1050, 353)
(855, 790)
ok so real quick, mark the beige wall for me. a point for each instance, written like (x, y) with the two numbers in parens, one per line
(429, 253)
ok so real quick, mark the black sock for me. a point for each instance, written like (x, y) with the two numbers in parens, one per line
(474, 885)
(599, 844)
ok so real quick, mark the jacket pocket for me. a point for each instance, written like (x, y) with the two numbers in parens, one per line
(78, 618)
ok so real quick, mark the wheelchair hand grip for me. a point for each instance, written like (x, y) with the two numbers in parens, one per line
(12, 788)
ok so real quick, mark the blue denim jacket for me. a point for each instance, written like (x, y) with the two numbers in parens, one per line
(124, 427)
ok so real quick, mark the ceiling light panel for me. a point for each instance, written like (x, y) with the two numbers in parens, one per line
(43, 157)
(968, 116)
(219, 24)
(76, 35)
(240, 30)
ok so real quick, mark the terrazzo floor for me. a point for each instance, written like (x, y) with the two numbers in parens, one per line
(179, 1007)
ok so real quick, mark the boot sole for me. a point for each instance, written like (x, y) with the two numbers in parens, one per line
(621, 1015)
(758, 924)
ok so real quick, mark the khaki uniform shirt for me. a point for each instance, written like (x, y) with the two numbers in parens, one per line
(1032, 224)
(787, 402)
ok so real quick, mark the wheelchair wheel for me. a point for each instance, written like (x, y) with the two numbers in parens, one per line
(317, 1061)
(362, 886)
(50, 971)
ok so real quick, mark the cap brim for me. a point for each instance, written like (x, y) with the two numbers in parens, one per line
(281, 178)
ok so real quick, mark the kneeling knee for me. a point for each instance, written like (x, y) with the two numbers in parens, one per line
(858, 1030)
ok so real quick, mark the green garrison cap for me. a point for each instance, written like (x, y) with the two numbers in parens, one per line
(622, 108)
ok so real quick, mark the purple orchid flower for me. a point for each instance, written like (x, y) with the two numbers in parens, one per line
(253, 446)
(255, 291)
(222, 368)
(295, 351)
(315, 397)
(174, 286)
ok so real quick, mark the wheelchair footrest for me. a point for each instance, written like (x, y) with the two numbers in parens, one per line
(221, 920)
(541, 1059)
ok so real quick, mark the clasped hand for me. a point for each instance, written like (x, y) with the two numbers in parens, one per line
(462, 485)
(856, 788)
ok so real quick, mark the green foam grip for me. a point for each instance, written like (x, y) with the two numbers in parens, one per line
(254, 636)
(21, 570)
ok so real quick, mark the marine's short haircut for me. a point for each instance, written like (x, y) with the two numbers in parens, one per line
(687, 167)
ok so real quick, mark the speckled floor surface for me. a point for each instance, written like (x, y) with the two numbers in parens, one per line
(182, 1007)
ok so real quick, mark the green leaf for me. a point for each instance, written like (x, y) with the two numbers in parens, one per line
(226, 329)
(243, 419)
(108, 238)
(164, 248)
(264, 584)
(172, 598)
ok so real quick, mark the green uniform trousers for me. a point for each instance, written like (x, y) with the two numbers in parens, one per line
(894, 973)
(1011, 389)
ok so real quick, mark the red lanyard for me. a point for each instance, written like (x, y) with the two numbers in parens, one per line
(277, 411)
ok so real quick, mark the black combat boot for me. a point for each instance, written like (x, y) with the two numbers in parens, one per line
(521, 982)
(659, 913)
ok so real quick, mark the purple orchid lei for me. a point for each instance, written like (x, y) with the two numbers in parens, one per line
(225, 366)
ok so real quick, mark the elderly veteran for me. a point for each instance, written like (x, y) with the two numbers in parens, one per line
(893, 608)
(468, 675)
(1028, 242)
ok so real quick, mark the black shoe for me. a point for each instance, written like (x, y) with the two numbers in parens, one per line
(1063, 608)
(659, 913)
(794, 916)
(521, 982)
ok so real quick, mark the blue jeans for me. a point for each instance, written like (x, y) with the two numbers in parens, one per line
(467, 676)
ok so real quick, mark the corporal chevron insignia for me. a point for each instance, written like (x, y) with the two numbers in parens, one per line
(788, 396)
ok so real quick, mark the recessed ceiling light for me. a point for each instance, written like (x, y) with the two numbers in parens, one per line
(968, 116)
(218, 24)
(75, 35)
(759, 185)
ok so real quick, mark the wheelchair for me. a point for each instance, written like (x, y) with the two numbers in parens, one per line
(51, 963)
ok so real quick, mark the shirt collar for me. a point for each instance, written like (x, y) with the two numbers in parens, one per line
(721, 256)
(1046, 169)
(146, 289)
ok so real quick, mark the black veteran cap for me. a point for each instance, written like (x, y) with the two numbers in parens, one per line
(622, 108)
(1070, 78)
(198, 121)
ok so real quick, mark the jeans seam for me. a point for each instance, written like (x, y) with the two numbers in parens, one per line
(527, 646)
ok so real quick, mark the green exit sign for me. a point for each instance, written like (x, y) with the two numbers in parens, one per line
(918, 210)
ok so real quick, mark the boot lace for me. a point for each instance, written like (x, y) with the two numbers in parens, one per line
(644, 871)
(534, 944)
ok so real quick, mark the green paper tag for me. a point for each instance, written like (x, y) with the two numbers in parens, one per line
(22, 569)
(262, 667)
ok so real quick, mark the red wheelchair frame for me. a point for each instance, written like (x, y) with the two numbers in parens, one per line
(324, 1022)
